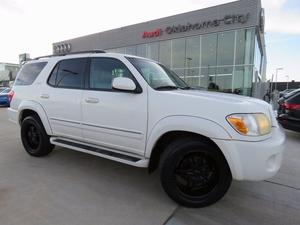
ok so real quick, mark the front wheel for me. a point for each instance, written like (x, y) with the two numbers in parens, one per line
(34, 137)
(194, 173)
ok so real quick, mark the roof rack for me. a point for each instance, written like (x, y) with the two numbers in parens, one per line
(71, 53)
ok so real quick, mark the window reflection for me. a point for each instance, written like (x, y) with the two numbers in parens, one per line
(141, 50)
(130, 50)
(152, 52)
(241, 39)
(178, 56)
(165, 53)
(225, 48)
(224, 78)
(192, 72)
(209, 50)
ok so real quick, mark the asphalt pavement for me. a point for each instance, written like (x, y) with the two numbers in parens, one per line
(73, 188)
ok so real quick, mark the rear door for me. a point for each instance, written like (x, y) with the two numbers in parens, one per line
(112, 118)
(61, 98)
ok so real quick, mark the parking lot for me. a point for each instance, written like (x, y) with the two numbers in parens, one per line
(73, 188)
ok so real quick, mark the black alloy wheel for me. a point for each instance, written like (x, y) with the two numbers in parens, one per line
(34, 137)
(194, 172)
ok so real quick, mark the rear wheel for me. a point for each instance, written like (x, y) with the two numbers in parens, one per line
(34, 137)
(194, 173)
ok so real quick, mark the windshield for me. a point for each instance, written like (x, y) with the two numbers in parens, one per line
(158, 76)
(5, 91)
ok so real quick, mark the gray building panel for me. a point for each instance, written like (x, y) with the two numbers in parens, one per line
(132, 35)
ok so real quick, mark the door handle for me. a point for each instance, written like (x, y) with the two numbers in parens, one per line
(45, 96)
(92, 100)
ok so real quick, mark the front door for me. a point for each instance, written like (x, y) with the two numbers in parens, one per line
(111, 118)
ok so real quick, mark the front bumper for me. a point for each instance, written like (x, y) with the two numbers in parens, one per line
(254, 160)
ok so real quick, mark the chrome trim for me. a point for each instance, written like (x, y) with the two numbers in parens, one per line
(68, 121)
(112, 128)
(97, 126)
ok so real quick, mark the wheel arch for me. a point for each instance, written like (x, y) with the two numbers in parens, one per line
(175, 127)
(28, 108)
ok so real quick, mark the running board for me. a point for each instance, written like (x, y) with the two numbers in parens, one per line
(127, 158)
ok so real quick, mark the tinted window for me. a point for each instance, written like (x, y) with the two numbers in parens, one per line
(104, 70)
(291, 93)
(29, 73)
(53, 75)
(68, 73)
(294, 99)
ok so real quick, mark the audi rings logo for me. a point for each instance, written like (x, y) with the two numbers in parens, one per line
(62, 48)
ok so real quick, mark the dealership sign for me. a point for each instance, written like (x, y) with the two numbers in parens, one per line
(226, 20)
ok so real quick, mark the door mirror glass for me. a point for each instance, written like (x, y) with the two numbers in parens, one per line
(124, 84)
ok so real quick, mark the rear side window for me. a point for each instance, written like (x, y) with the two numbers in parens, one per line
(291, 93)
(29, 73)
(68, 73)
(295, 99)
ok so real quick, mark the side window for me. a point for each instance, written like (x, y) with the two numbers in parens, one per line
(68, 73)
(52, 78)
(295, 99)
(104, 70)
(29, 73)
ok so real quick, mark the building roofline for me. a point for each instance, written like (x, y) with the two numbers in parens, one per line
(150, 21)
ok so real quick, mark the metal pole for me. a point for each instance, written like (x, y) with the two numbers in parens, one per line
(272, 81)
(276, 76)
(276, 80)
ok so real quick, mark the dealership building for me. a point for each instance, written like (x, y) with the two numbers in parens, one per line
(221, 47)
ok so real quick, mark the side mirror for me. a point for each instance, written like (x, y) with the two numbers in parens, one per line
(123, 84)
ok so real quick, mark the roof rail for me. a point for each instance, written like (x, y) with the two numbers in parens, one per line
(71, 53)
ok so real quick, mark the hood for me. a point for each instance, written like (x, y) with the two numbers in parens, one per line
(220, 96)
(210, 104)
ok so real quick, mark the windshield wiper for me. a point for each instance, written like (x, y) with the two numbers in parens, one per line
(166, 87)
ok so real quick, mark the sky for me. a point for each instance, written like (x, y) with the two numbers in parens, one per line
(32, 26)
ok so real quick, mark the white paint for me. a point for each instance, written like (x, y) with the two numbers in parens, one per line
(132, 123)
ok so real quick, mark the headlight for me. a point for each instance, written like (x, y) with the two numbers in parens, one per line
(255, 124)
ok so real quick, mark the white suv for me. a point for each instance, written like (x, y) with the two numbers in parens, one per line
(136, 111)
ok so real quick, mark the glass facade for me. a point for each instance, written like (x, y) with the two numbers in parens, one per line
(226, 61)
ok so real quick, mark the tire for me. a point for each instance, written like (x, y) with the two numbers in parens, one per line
(34, 137)
(194, 173)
